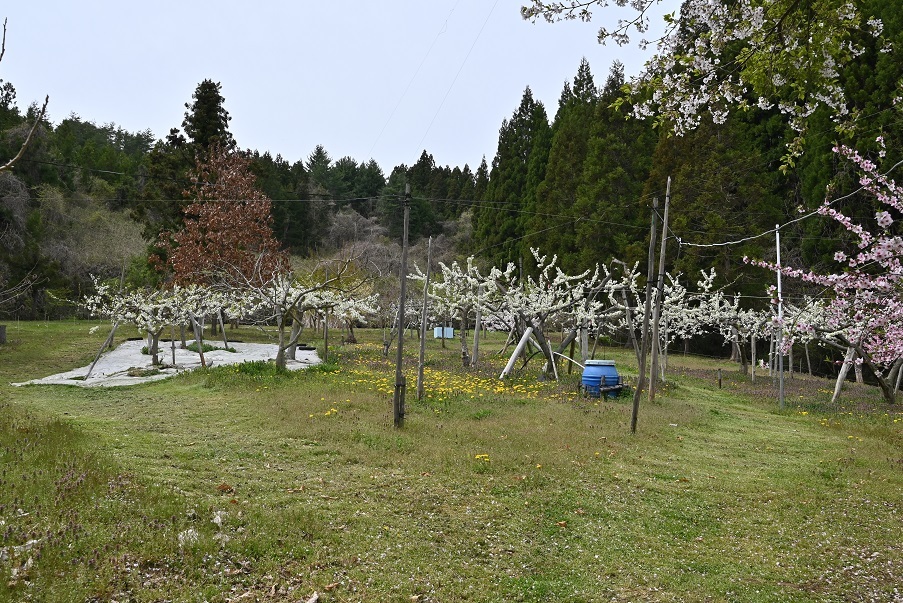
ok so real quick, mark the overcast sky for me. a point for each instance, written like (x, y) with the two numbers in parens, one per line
(365, 79)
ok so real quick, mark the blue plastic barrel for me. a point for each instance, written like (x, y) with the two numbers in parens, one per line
(599, 374)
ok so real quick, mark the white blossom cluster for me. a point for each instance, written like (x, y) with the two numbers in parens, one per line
(729, 55)
(719, 55)
(283, 297)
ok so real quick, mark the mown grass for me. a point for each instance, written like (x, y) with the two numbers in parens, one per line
(281, 484)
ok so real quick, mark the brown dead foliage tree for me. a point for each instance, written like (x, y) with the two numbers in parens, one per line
(227, 232)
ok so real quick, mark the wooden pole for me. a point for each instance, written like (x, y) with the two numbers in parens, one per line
(659, 291)
(106, 344)
(650, 277)
(517, 352)
(777, 234)
(426, 288)
(326, 325)
(398, 400)
(222, 329)
(752, 353)
(476, 331)
(630, 329)
(199, 338)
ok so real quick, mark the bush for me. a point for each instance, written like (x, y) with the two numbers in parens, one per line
(193, 346)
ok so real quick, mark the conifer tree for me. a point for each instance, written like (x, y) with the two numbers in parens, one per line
(167, 166)
(481, 181)
(498, 226)
(206, 119)
(553, 223)
(228, 226)
(318, 167)
(608, 204)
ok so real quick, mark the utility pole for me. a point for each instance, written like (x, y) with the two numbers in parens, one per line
(325, 327)
(650, 278)
(777, 235)
(398, 400)
(659, 292)
(426, 289)
(476, 330)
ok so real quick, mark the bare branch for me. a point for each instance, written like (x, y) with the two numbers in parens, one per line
(9, 164)
(8, 295)
(3, 44)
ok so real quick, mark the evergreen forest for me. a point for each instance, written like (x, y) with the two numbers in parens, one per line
(578, 180)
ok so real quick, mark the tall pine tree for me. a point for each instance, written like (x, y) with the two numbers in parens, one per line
(618, 159)
(498, 222)
(552, 227)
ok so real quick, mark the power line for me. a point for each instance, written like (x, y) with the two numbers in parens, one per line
(455, 79)
(413, 77)
(511, 240)
(773, 230)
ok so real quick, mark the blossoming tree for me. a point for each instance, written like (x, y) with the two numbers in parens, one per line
(151, 310)
(456, 293)
(284, 298)
(865, 312)
(575, 300)
(715, 56)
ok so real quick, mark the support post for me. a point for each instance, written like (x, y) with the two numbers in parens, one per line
(398, 399)
(752, 353)
(326, 326)
(106, 344)
(517, 352)
(659, 292)
(476, 330)
(650, 277)
(777, 234)
(426, 289)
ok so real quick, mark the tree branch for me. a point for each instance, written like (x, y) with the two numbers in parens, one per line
(3, 43)
(9, 164)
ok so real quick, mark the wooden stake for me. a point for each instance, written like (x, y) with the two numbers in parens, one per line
(752, 353)
(398, 399)
(326, 325)
(426, 288)
(476, 332)
(659, 291)
(650, 276)
(106, 344)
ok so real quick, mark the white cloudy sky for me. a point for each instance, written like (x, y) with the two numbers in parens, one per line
(366, 79)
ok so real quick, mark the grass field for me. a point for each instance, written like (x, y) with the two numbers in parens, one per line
(241, 484)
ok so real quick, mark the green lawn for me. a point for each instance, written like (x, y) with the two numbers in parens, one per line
(239, 484)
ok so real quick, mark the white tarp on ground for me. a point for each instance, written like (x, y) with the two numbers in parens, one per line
(113, 367)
